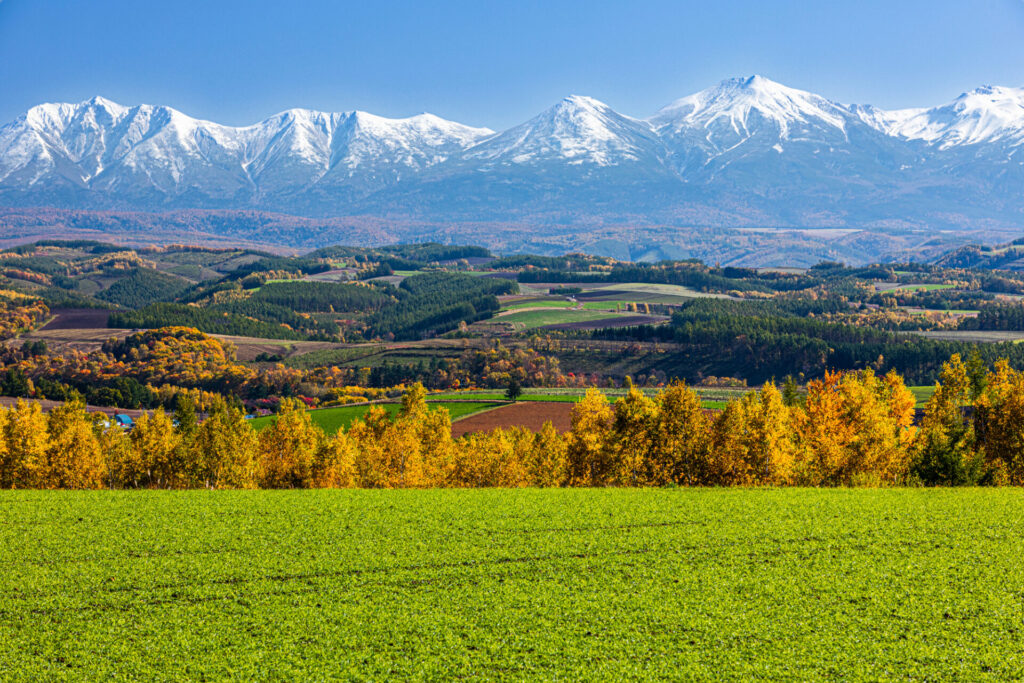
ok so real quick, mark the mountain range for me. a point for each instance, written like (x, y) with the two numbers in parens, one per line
(747, 152)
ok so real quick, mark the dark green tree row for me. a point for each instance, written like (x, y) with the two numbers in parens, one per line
(1006, 318)
(434, 303)
(143, 287)
(759, 342)
(209, 320)
(310, 297)
(417, 254)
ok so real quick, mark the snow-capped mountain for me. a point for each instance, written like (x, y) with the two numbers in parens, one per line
(745, 121)
(747, 151)
(576, 131)
(159, 155)
(984, 115)
(739, 109)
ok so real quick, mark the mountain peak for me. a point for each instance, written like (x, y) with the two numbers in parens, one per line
(582, 102)
(733, 103)
(100, 101)
(986, 114)
(577, 130)
(754, 82)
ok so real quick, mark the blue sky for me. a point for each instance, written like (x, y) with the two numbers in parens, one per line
(491, 62)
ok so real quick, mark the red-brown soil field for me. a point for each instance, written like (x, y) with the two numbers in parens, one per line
(529, 414)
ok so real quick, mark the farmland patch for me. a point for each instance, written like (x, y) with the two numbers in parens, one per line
(601, 584)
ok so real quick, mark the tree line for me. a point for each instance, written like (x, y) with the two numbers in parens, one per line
(764, 340)
(847, 429)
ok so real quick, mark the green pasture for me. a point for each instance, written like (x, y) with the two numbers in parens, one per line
(532, 319)
(920, 287)
(563, 584)
(538, 303)
(340, 417)
(713, 399)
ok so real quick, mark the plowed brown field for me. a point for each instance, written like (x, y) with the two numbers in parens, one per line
(77, 319)
(529, 414)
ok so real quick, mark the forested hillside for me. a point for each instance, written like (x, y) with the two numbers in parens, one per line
(349, 319)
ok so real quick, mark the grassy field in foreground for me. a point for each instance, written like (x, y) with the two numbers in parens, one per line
(333, 419)
(498, 584)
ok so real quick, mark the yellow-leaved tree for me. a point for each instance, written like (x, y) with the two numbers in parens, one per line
(631, 439)
(999, 425)
(334, 463)
(547, 461)
(769, 446)
(124, 465)
(157, 446)
(945, 450)
(225, 449)
(27, 442)
(587, 452)
(288, 448)
(727, 462)
(856, 430)
(681, 441)
(74, 456)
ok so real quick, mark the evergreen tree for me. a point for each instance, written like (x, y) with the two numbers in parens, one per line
(514, 389)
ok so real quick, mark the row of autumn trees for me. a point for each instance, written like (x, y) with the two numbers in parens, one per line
(149, 368)
(847, 429)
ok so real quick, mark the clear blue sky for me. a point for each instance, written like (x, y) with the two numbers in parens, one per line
(494, 62)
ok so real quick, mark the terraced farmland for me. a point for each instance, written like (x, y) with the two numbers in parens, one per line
(498, 584)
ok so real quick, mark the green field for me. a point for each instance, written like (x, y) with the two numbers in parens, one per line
(539, 303)
(920, 287)
(555, 316)
(495, 395)
(922, 394)
(564, 396)
(333, 419)
(495, 584)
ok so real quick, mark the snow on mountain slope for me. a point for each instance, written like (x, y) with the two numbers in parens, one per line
(577, 130)
(887, 121)
(747, 147)
(106, 147)
(985, 115)
(384, 150)
(742, 105)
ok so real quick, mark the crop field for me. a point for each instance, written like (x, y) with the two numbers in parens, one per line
(575, 393)
(537, 303)
(980, 336)
(666, 290)
(333, 419)
(924, 288)
(909, 287)
(710, 398)
(497, 584)
(530, 415)
(555, 316)
(922, 394)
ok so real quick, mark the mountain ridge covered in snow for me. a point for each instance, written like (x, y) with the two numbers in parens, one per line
(747, 151)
